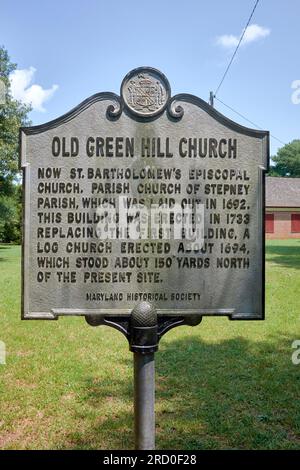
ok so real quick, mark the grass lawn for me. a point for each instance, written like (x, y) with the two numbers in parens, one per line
(220, 385)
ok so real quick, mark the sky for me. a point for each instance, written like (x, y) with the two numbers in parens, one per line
(68, 50)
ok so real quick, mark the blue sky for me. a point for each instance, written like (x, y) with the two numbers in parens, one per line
(73, 49)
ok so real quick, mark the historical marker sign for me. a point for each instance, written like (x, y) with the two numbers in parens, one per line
(112, 190)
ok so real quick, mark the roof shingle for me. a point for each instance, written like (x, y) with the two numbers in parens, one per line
(282, 192)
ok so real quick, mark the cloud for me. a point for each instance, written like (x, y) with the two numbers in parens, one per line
(252, 33)
(35, 95)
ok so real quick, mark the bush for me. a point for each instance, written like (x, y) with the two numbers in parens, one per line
(10, 216)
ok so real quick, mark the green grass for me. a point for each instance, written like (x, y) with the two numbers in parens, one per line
(220, 385)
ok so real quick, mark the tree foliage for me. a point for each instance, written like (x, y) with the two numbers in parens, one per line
(287, 161)
(10, 212)
(13, 115)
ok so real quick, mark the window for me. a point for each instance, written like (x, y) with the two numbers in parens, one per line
(295, 222)
(269, 223)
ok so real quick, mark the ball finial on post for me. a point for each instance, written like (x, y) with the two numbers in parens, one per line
(143, 326)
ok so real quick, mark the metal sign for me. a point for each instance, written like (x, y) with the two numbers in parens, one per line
(143, 197)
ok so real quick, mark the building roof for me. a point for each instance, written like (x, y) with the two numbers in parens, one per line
(282, 192)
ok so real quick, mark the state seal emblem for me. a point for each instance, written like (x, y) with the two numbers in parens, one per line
(145, 92)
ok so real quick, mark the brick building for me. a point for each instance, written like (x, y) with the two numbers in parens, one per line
(282, 207)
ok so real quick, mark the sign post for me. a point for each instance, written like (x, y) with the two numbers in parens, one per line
(143, 212)
(143, 345)
(144, 401)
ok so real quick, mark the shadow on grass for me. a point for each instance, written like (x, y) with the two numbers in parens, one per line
(285, 255)
(231, 395)
(4, 247)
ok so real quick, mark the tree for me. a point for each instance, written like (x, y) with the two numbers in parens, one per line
(13, 115)
(287, 161)
(10, 212)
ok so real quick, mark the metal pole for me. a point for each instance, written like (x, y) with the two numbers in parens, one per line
(143, 342)
(144, 400)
